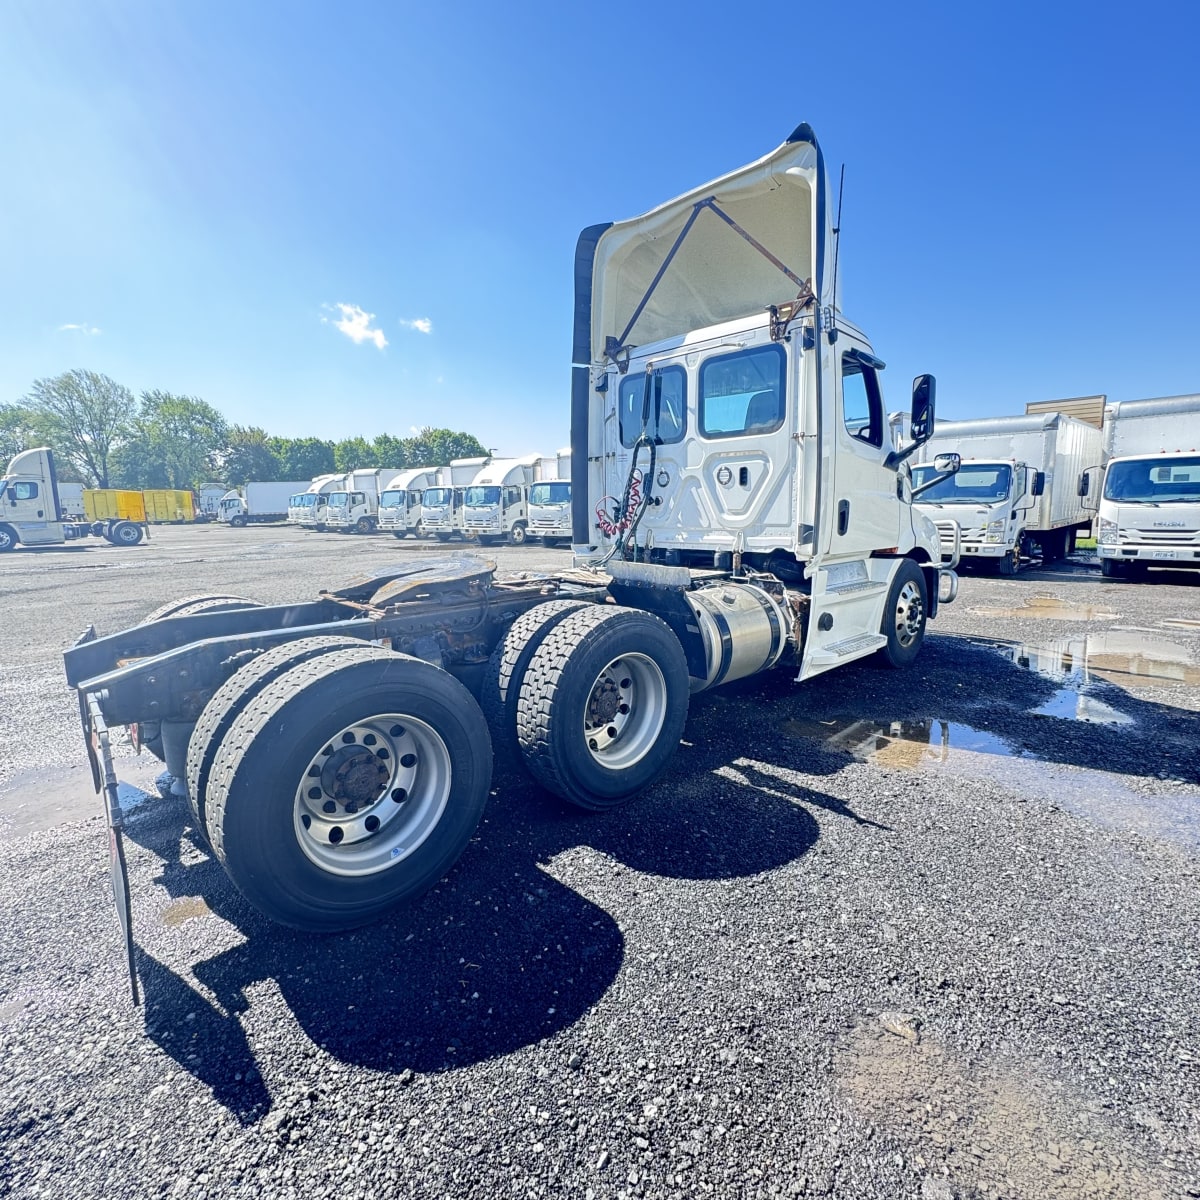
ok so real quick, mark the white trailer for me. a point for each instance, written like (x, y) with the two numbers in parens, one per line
(550, 499)
(258, 503)
(1019, 490)
(1149, 510)
(354, 503)
(70, 501)
(496, 504)
(400, 501)
(32, 511)
(442, 504)
(208, 500)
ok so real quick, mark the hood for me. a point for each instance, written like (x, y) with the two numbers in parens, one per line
(728, 249)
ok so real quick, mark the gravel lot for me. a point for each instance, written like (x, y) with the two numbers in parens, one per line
(889, 934)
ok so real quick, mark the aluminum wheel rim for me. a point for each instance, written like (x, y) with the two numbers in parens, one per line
(625, 711)
(910, 613)
(372, 794)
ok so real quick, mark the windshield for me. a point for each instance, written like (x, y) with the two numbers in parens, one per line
(392, 499)
(981, 483)
(550, 493)
(307, 500)
(436, 497)
(338, 499)
(482, 495)
(1153, 481)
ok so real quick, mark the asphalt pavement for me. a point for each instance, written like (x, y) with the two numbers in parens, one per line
(932, 933)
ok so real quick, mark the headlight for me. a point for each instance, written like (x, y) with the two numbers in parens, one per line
(1108, 533)
(995, 530)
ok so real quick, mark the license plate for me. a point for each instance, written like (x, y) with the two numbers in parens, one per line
(1162, 553)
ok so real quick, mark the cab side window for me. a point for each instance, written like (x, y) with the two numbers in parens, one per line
(24, 491)
(862, 402)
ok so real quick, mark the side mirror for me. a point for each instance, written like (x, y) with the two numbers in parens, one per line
(921, 421)
(947, 464)
(1039, 483)
(1085, 484)
(1092, 503)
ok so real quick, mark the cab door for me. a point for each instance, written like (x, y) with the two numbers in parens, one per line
(868, 500)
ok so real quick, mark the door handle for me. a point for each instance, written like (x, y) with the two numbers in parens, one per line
(843, 516)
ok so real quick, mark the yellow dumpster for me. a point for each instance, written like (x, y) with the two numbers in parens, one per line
(168, 506)
(114, 504)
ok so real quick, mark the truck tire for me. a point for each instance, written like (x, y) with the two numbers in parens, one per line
(442, 537)
(232, 696)
(602, 705)
(399, 534)
(1008, 565)
(238, 522)
(8, 538)
(363, 525)
(125, 533)
(1112, 568)
(486, 539)
(904, 616)
(350, 784)
(190, 605)
(506, 668)
(518, 534)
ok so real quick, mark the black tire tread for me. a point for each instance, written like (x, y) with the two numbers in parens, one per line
(229, 699)
(506, 667)
(188, 606)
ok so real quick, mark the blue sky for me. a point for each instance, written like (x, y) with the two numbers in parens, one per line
(190, 190)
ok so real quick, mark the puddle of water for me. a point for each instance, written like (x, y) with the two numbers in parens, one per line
(1120, 656)
(187, 909)
(1050, 608)
(1071, 704)
(960, 751)
(46, 797)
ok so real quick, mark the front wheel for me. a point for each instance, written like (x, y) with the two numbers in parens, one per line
(904, 616)
(363, 525)
(602, 705)
(399, 534)
(8, 539)
(518, 535)
(238, 522)
(125, 533)
(442, 537)
(350, 784)
(1110, 568)
(1007, 566)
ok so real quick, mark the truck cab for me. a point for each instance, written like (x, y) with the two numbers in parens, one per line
(400, 501)
(442, 503)
(495, 504)
(550, 510)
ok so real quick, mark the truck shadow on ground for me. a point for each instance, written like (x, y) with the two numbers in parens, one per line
(502, 955)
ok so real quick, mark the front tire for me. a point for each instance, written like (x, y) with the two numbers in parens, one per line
(348, 785)
(8, 539)
(238, 522)
(363, 525)
(1110, 568)
(518, 535)
(125, 533)
(904, 616)
(602, 705)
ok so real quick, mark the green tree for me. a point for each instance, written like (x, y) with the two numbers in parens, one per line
(247, 455)
(444, 445)
(20, 429)
(353, 453)
(175, 442)
(389, 451)
(302, 458)
(87, 416)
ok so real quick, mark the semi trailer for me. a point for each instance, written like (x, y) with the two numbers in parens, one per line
(738, 504)
(400, 501)
(32, 511)
(1149, 509)
(1019, 492)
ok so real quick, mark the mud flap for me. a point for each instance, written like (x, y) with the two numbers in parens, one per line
(104, 777)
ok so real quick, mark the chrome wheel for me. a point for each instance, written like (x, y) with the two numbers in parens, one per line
(910, 614)
(372, 794)
(625, 711)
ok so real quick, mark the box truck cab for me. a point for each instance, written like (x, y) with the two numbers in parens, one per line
(1149, 510)
(495, 504)
(550, 498)
(400, 501)
(354, 505)
(31, 512)
(258, 502)
(1018, 492)
(442, 504)
(313, 502)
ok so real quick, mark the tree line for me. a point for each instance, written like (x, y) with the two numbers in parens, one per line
(104, 436)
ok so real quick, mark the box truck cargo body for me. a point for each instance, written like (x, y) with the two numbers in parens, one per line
(1149, 509)
(1019, 490)
(258, 503)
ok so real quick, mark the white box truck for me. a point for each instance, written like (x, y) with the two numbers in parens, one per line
(442, 504)
(312, 504)
(400, 501)
(32, 512)
(1018, 491)
(258, 503)
(738, 504)
(1149, 510)
(354, 504)
(550, 499)
(496, 504)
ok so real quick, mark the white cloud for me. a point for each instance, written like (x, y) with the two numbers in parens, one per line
(419, 324)
(86, 329)
(356, 325)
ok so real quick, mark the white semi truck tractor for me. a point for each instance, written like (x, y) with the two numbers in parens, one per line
(495, 505)
(400, 501)
(33, 513)
(738, 505)
(1149, 509)
(550, 499)
(1019, 491)
(442, 504)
